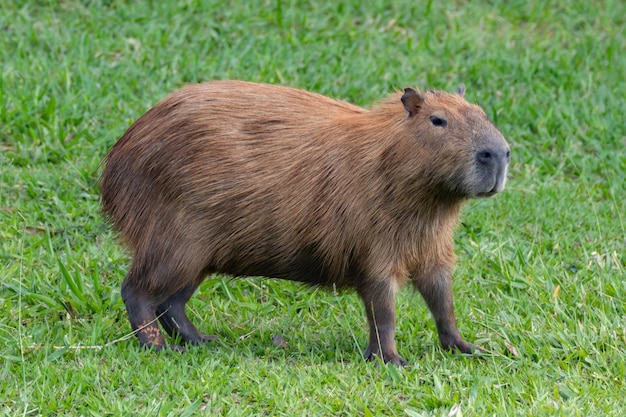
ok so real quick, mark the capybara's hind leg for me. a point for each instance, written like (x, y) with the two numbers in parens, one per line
(141, 313)
(173, 318)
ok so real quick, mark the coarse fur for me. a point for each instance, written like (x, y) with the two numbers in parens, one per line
(259, 180)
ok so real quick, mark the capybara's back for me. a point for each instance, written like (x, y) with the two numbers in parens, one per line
(258, 180)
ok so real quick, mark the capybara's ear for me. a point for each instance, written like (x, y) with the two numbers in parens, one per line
(461, 90)
(412, 100)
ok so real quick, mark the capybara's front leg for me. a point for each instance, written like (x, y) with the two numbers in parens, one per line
(435, 286)
(141, 313)
(380, 306)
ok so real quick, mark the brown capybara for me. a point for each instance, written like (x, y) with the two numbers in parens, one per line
(252, 179)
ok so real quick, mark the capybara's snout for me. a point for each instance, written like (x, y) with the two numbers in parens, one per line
(492, 162)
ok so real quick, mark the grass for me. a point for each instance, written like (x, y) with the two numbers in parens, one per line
(540, 281)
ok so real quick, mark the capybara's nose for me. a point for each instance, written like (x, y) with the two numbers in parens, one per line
(493, 157)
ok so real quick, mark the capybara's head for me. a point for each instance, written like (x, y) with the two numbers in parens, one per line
(468, 157)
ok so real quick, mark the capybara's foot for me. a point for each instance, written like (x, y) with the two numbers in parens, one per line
(459, 346)
(175, 348)
(149, 335)
(202, 339)
(174, 319)
(177, 325)
(393, 357)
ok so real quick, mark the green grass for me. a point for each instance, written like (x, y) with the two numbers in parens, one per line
(540, 281)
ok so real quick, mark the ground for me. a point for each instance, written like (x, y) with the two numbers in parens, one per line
(540, 279)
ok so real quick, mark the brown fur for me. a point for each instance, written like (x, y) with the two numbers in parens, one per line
(259, 180)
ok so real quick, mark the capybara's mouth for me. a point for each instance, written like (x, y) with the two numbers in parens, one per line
(487, 194)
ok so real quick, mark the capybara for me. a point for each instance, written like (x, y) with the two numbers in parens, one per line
(249, 179)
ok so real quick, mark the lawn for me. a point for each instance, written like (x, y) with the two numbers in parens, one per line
(540, 278)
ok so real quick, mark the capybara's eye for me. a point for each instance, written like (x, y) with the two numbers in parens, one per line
(438, 121)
